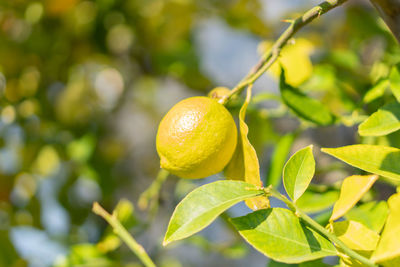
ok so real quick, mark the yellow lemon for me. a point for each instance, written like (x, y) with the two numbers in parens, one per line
(196, 138)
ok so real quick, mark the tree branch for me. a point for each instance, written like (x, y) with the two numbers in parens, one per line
(272, 55)
(124, 235)
(390, 12)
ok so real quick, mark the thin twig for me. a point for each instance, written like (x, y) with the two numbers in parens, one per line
(272, 55)
(124, 235)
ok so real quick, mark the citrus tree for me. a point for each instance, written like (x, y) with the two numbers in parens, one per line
(197, 138)
(70, 71)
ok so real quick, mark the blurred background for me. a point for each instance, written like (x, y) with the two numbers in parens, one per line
(84, 84)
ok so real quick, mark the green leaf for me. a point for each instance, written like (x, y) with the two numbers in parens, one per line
(298, 172)
(273, 263)
(385, 121)
(352, 190)
(201, 206)
(372, 214)
(394, 79)
(279, 235)
(355, 235)
(235, 168)
(244, 162)
(315, 263)
(304, 106)
(388, 251)
(380, 160)
(376, 91)
(278, 159)
(312, 202)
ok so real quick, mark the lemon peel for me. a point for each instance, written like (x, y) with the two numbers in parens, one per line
(196, 138)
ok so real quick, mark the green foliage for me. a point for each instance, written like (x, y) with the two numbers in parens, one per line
(388, 253)
(381, 160)
(200, 207)
(394, 79)
(385, 121)
(304, 106)
(280, 235)
(376, 91)
(298, 172)
(355, 235)
(244, 163)
(372, 214)
(313, 202)
(278, 159)
(87, 255)
(84, 83)
(352, 190)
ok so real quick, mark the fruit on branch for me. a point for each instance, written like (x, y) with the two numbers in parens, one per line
(196, 138)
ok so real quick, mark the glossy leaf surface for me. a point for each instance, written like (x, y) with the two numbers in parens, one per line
(244, 163)
(388, 251)
(381, 160)
(385, 121)
(312, 202)
(352, 190)
(279, 234)
(372, 214)
(304, 106)
(201, 206)
(355, 235)
(298, 172)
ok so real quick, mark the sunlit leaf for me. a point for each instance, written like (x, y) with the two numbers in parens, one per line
(385, 121)
(376, 91)
(372, 214)
(295, 58)
(298, 172)
(388, 251)
(273, 263)
(381, 160)
(394, 79)
(312, 202)
(201, 206)
(355, 235)
(244, 163)
(278, 159)
(352, 190)
(304, 106)
(235, 168)
(279, 234)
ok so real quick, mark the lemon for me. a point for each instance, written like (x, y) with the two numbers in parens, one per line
(196, 138)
